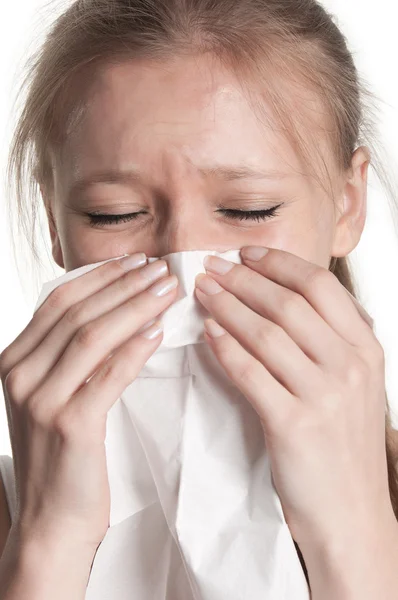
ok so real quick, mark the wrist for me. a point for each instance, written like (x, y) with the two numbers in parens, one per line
(39, 569)
(58, 548)
(358, 562)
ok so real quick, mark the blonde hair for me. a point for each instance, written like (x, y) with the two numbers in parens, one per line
(269, 42)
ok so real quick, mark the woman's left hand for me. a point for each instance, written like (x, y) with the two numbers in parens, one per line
(302, 351)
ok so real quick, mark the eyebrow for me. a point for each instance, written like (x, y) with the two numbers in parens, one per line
(225, 173)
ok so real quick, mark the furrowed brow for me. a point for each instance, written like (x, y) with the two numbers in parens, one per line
(225, 173)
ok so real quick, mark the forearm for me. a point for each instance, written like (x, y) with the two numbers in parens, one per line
(31, 571)
(357, 566)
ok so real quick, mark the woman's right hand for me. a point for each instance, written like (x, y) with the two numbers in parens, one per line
(85, 329)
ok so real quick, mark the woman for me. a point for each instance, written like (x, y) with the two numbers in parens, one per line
(156, 126)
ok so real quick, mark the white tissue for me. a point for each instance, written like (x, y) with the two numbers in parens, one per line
(194, 513)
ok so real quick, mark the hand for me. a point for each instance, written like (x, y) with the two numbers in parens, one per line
(87, 328)
(295, 344)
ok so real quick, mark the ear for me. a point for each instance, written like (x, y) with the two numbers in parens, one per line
(351, 205)
(55, 242)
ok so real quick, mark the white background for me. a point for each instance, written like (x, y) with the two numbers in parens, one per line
(371, 31)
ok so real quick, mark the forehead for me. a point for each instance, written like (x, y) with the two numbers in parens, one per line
(179, 114)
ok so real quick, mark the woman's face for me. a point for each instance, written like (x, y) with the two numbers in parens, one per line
(169, 141)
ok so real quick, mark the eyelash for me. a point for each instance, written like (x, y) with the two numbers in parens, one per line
(242, 215)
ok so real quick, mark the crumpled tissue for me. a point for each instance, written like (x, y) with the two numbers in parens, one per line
(194, 512)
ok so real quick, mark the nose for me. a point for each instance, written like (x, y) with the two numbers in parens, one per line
(187, 228)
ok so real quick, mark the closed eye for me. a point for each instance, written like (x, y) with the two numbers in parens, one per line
(242, 215)
(253, 215)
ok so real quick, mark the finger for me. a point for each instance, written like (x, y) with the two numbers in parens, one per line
(57, 304)
(287, 309)
(93, 343)
(272, 402)
(93, 399)
(39, 363)
(321, 288)
(264, 340)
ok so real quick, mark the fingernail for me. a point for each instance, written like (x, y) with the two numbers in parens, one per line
(133, 261)
(253, 252)
(207, 284)
(146, 326)
(153, 331)
(163, 287)
(213, 328)
(217, 265)
(155, 270)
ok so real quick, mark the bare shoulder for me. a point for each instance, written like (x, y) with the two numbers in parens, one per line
(5, 518)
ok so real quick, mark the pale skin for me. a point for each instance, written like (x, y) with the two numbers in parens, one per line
(300, 349)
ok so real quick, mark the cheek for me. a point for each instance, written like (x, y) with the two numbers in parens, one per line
(81, 246)
(304, 234)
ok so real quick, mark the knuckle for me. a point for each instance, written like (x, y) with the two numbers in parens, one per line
(66, 425)
(246, 372)
(240, 272)
(318, 277)
(13, 383)
(74, 315)
(4, 363)
(375, 354)
(74, 424)
(109, 373)
(134, 302)
(59, 299)
(87, 335)
(124, 284)
(269, 334)
(113, 269)
(356, 373)
(110, 272)
(37, 410)
(289, 303)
